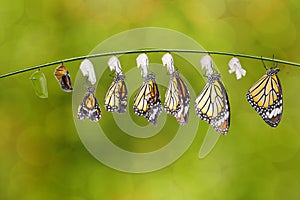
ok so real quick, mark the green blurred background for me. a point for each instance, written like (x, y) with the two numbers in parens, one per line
(41, 155)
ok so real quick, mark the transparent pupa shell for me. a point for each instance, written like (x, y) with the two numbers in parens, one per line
(39, 84)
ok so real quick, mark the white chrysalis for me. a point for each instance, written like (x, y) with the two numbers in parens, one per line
(114, 65)
(87, 69)
(235, 66)
(168, 61)
(143, 62)
(206, 62)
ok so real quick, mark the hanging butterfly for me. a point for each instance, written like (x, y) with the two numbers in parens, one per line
(89, 107)
(62, 75)
(147, 102)
(212, 104)
(116, 96)
(177, 99)
(265, 96)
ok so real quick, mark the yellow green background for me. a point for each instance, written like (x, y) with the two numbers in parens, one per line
(41, 155)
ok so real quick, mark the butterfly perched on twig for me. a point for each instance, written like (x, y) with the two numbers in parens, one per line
(265, 96)
(89, 107)
(212, 105)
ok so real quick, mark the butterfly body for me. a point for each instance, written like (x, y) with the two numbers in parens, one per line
(147, 102)
(89, 107)
(116, 97)
(212, 105)
(265, 96)
(177, 99)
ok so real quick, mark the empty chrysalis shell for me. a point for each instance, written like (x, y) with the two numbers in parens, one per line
(87, 69)
(143, 62)
(39, 84)
(207, 64)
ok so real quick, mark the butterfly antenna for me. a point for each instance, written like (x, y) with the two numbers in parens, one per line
(263, 63)
(275, 63)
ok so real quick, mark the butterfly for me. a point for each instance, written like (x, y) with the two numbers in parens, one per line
(116, 96)
(265, 96)
(177, 99)
(62, 75)
(89, 107)
(147, 101)
(212, 105)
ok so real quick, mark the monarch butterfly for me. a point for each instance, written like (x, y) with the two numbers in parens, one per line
(177, 99)
(265, 96)
(89, 107)
(116, 96)
(212, 104)
(62, 75)
(147, 102)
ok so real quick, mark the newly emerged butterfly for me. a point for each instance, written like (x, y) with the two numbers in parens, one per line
(62, 75)
(265, 96)
(177, 99)
(116, 96)
(147, 101)
(89, 107)
(212, 105)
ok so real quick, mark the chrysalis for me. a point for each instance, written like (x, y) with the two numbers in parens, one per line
(87, 69)
(62, 76)
(235, 66)
(39, 84)
(206, 62)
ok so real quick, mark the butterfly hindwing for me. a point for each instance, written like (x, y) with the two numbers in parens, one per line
(265, 96)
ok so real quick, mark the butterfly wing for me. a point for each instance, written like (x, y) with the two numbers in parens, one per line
(265, 96)
(116, 96)
(147, 102)
(221, 123)
(184, 94)
(89, 108)
(212, 105)
(172, 101)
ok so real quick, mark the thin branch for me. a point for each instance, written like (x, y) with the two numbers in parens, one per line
(147, 51)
